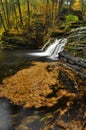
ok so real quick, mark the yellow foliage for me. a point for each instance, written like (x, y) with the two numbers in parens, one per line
(76, 5)
(1, 30)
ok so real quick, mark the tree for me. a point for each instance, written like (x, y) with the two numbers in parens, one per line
(15, 14)
(77, 5)
(3, 11)
(60, 7)
(54, 11)
(20, 12)
(3, 22)
(83, 3)
(47, 13)
(7, 13)
(28, 14)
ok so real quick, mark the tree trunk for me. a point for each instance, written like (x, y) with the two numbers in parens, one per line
(28, 13)
(52, 12)
(60, 8)
(3, 22)
(70, 6)
(3, 10)
(7, 13)
(47, 13)
(20, 13)
(56, 12)
(15, 14)
(82, 7)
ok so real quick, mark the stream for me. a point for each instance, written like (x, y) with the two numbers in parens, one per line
(13, 117)
(11, 60)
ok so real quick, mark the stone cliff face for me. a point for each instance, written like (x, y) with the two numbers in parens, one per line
(74, 53)
(76, 42)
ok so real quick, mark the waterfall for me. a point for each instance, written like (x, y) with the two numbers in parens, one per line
(51, 50)
(43, 48)
(59, 48)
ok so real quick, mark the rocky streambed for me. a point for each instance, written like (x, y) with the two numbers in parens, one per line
(54, 88)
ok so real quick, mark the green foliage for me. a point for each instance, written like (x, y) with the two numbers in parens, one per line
(72, 18)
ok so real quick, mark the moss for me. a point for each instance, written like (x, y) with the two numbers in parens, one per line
(71, 18)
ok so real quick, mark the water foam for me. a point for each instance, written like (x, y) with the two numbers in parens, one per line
(51, 50)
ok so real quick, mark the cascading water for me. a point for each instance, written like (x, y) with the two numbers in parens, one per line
(43, 48)
(59, 48)
(52, 51)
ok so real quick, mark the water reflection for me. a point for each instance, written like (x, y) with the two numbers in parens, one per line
(13, 117)
(5, 119)
(2, 56)
(29, 119)
(12, 60)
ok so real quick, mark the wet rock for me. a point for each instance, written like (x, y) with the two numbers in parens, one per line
(50, 68)
(66, 80)
(72, 60)
(76, 42)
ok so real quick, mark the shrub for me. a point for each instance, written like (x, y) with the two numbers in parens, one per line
(72, 18)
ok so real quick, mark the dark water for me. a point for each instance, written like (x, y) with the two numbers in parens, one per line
(14, 117)
(12, 60)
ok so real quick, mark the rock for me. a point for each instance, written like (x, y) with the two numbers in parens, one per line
(76, 42)
(73, 60)
(76, 63)
(50, 68)
(66, 80)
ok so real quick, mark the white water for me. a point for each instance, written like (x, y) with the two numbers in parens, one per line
(52, 50)
(45, 45)
(59, 48)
